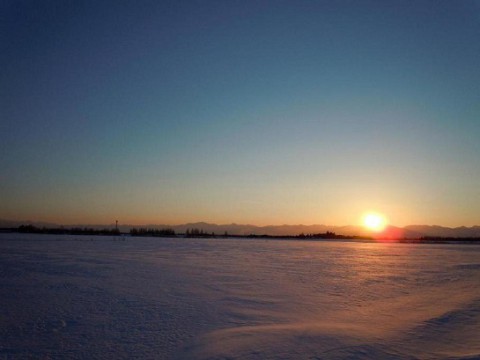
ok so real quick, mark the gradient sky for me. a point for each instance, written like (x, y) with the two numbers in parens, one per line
(261, 112)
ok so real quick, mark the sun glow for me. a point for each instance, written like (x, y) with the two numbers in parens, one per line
(374, 222)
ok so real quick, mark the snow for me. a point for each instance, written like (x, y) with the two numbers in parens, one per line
(76, 297)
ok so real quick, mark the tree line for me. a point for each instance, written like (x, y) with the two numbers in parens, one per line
(64, 231)
(195, 232)
(152, 232)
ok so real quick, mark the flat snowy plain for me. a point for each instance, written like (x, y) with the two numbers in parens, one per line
(82, 297)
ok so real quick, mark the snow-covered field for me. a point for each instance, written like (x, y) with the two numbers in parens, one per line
(76, 297)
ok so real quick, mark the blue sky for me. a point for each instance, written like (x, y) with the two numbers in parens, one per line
(262, 112)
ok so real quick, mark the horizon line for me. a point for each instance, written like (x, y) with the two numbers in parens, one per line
(218, 224)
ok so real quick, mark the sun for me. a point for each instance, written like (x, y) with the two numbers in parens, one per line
(374, 222)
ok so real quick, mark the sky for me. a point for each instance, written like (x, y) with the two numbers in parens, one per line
(259, 112)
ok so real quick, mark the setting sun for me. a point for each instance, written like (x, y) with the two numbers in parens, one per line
(374, 222)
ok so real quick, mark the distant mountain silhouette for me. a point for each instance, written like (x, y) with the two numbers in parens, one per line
(391, 232)
(441, 231)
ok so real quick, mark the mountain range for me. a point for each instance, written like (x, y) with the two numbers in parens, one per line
(409, 232)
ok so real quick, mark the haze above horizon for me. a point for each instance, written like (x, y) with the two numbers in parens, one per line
(258, 113)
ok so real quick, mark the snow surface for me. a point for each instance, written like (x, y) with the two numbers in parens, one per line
(77, 297)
